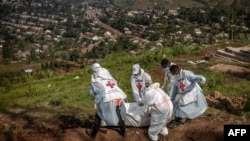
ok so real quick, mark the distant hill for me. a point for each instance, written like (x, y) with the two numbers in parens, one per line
(145, 4)
(173, 4)
(245, 3)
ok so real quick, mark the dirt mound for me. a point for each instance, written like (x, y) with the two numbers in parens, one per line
(33, 125)
(204, 128)
(217, 100)
(30, 127)
(233, 69)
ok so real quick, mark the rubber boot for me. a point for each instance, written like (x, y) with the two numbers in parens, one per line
(188, 120)
(177, 119)
(122, 128)
(92, 132)
(176, 123)
(121, 122)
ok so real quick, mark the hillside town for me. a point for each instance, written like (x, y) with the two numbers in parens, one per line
(57, 55)
(76, 31)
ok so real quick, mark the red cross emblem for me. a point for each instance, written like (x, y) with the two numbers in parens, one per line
(139, 86)
(182, 86)
(111, 85)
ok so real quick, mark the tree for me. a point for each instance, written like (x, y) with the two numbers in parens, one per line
(33, 55)
(7, 53)
(75, 55)
(63, 55)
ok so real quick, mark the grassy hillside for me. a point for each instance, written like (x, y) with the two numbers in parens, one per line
(69, 93)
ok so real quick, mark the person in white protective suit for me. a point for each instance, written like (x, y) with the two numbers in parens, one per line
(135, 116)
(160, 108)
(138, 83)
(109, 98)
(187, 96)
(168, 78)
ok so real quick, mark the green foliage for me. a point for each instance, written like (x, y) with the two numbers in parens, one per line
(31, 91)
(7, 53)
(218, 81)
(215, 80)
(63, 55)
(247, 107)
(63, 92)
(105, 48)
(13, 79)
(178, 50)
(44, 74)
(49, 91)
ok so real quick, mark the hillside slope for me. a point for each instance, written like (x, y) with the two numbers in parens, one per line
(35, 125)
(145, 4)
(173, 4)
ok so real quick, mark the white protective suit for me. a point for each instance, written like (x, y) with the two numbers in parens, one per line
(135, 116)
(107, 95)
(159, 106)
(187, 96)
(168, 79)
(138, 82)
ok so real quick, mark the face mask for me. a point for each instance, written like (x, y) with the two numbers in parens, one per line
(139, 77)
(177, 74)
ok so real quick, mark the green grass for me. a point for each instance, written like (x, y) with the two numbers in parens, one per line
(64, 94)
(221, 82)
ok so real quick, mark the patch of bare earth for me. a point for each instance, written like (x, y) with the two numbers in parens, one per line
(233, 69)
(31, 125)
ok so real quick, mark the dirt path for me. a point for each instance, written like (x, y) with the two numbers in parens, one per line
(92, 15)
